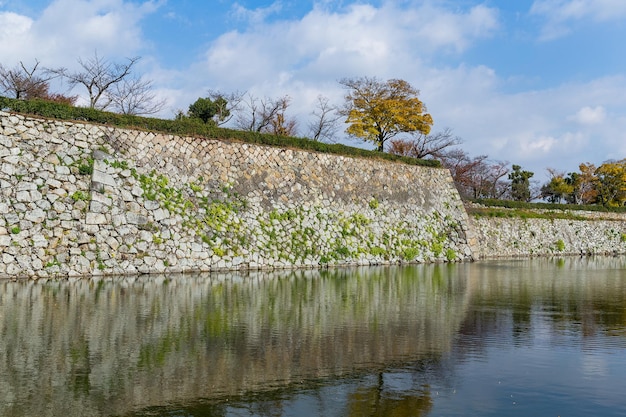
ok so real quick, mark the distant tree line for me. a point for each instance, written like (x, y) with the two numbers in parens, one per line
(604, 185)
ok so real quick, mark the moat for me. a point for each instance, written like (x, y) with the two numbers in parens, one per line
(520, 337)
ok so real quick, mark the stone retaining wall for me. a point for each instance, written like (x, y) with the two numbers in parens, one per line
(80, 199)
(500, 237)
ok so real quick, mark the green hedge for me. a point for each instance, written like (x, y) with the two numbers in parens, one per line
(547, 206)
(191, 127)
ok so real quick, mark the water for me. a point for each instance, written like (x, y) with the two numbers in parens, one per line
(541, 337)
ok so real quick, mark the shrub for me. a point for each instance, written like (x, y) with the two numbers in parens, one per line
(80, 196)
(86, 168)
(436, 248)
(546, 206)
(409, 254)
(560, 245)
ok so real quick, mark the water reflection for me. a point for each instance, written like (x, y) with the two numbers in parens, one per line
(551, 298)
(102, 346)
(419, 340)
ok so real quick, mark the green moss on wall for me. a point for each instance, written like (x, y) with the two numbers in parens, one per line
(311, 235)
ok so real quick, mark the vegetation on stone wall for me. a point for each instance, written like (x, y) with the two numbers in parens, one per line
(220, 219)
(547, 206)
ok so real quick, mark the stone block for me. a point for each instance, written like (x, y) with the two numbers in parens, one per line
(137, 219)
(36, 216)
(101, 178)
(5, 240)
(23, 196)
(160, 214)
(95, 218)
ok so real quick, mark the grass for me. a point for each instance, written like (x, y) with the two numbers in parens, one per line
(522, 213)
(510, 204)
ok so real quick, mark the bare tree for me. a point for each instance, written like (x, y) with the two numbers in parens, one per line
(265, 115)
(423, 146)
(27, 83)
(476, 177)
(24, 83)
(489, 179)
(325, 121)
(134, 96)
(98, 76)
(249, 117)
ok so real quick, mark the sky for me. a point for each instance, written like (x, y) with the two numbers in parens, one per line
(537, 83)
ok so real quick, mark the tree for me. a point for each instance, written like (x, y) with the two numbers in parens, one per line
(134, 96)
(204, 109)
(28, 83)
(283, 126)
(611, 183)
(98, 76)
(423, 146)
(520, 184)
(476, 177)
(558, 189)
(265, 115)
(218, 108)
(377, 111)
(24, 83)
(585, 184)
(227, 105)
(324, 124)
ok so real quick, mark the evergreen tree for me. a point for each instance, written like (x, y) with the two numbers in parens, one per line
(520, 183)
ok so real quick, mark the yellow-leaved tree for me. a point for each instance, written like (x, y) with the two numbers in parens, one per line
(612, 183)
(376, 110)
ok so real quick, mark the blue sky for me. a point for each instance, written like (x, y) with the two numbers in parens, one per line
(540, 83)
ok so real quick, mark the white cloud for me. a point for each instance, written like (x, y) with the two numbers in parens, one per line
(14, 36)
(564, 10)
(559, 14)
(13, 24)
(306, 57)
(386, 41)
(590, 115)
(67, 29)
(541, 145)
(537, 129)
(257, 15)
(438, 28)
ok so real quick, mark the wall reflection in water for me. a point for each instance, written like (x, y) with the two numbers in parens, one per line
(111, 346)
(371, 341)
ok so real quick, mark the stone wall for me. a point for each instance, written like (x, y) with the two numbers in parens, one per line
(80, 199)
(594, 234)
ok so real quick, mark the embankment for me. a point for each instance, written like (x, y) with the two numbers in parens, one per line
(80, 199)
(576, 233)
